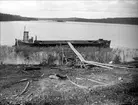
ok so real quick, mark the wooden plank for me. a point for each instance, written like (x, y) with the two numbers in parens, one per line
(109, 66)
(83, 60)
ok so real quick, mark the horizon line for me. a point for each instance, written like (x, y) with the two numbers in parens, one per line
(65, 17)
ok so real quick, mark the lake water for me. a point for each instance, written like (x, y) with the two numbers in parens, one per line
(119, 34)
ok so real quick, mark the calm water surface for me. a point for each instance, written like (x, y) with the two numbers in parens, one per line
(120, 35)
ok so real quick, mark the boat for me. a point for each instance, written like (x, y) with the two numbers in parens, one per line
(51, 43)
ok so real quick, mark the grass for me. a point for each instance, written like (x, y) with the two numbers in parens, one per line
(65, 93)
(54, 55)
(58, 92)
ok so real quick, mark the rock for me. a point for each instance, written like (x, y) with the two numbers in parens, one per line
(53, 77)
(120, 78)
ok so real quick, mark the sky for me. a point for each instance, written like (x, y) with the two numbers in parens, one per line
(71, 8)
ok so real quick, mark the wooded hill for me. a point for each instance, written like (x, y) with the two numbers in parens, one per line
(9, 17)
(125, 20)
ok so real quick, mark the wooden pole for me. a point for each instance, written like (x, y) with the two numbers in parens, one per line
(108, 66)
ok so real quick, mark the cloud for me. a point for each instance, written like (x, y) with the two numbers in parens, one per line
(87, 8)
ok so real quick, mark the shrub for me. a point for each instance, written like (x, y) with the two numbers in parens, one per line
(117, 59)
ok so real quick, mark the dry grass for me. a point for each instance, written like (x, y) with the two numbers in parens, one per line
(54, 55)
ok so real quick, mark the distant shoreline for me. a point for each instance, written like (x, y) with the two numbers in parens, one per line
(125, 20)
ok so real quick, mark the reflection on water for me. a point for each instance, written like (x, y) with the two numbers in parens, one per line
(120, 35)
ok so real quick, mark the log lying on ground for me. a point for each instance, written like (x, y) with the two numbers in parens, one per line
(79, 86)
(26, 87)
(58, 76)
(29, 68)
(92, 80)
(24, 90)
(108, 66)
(13, 83)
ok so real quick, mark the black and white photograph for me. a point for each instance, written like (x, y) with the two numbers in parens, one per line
(68, 52)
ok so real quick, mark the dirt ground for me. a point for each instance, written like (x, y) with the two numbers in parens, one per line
(93, 86)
